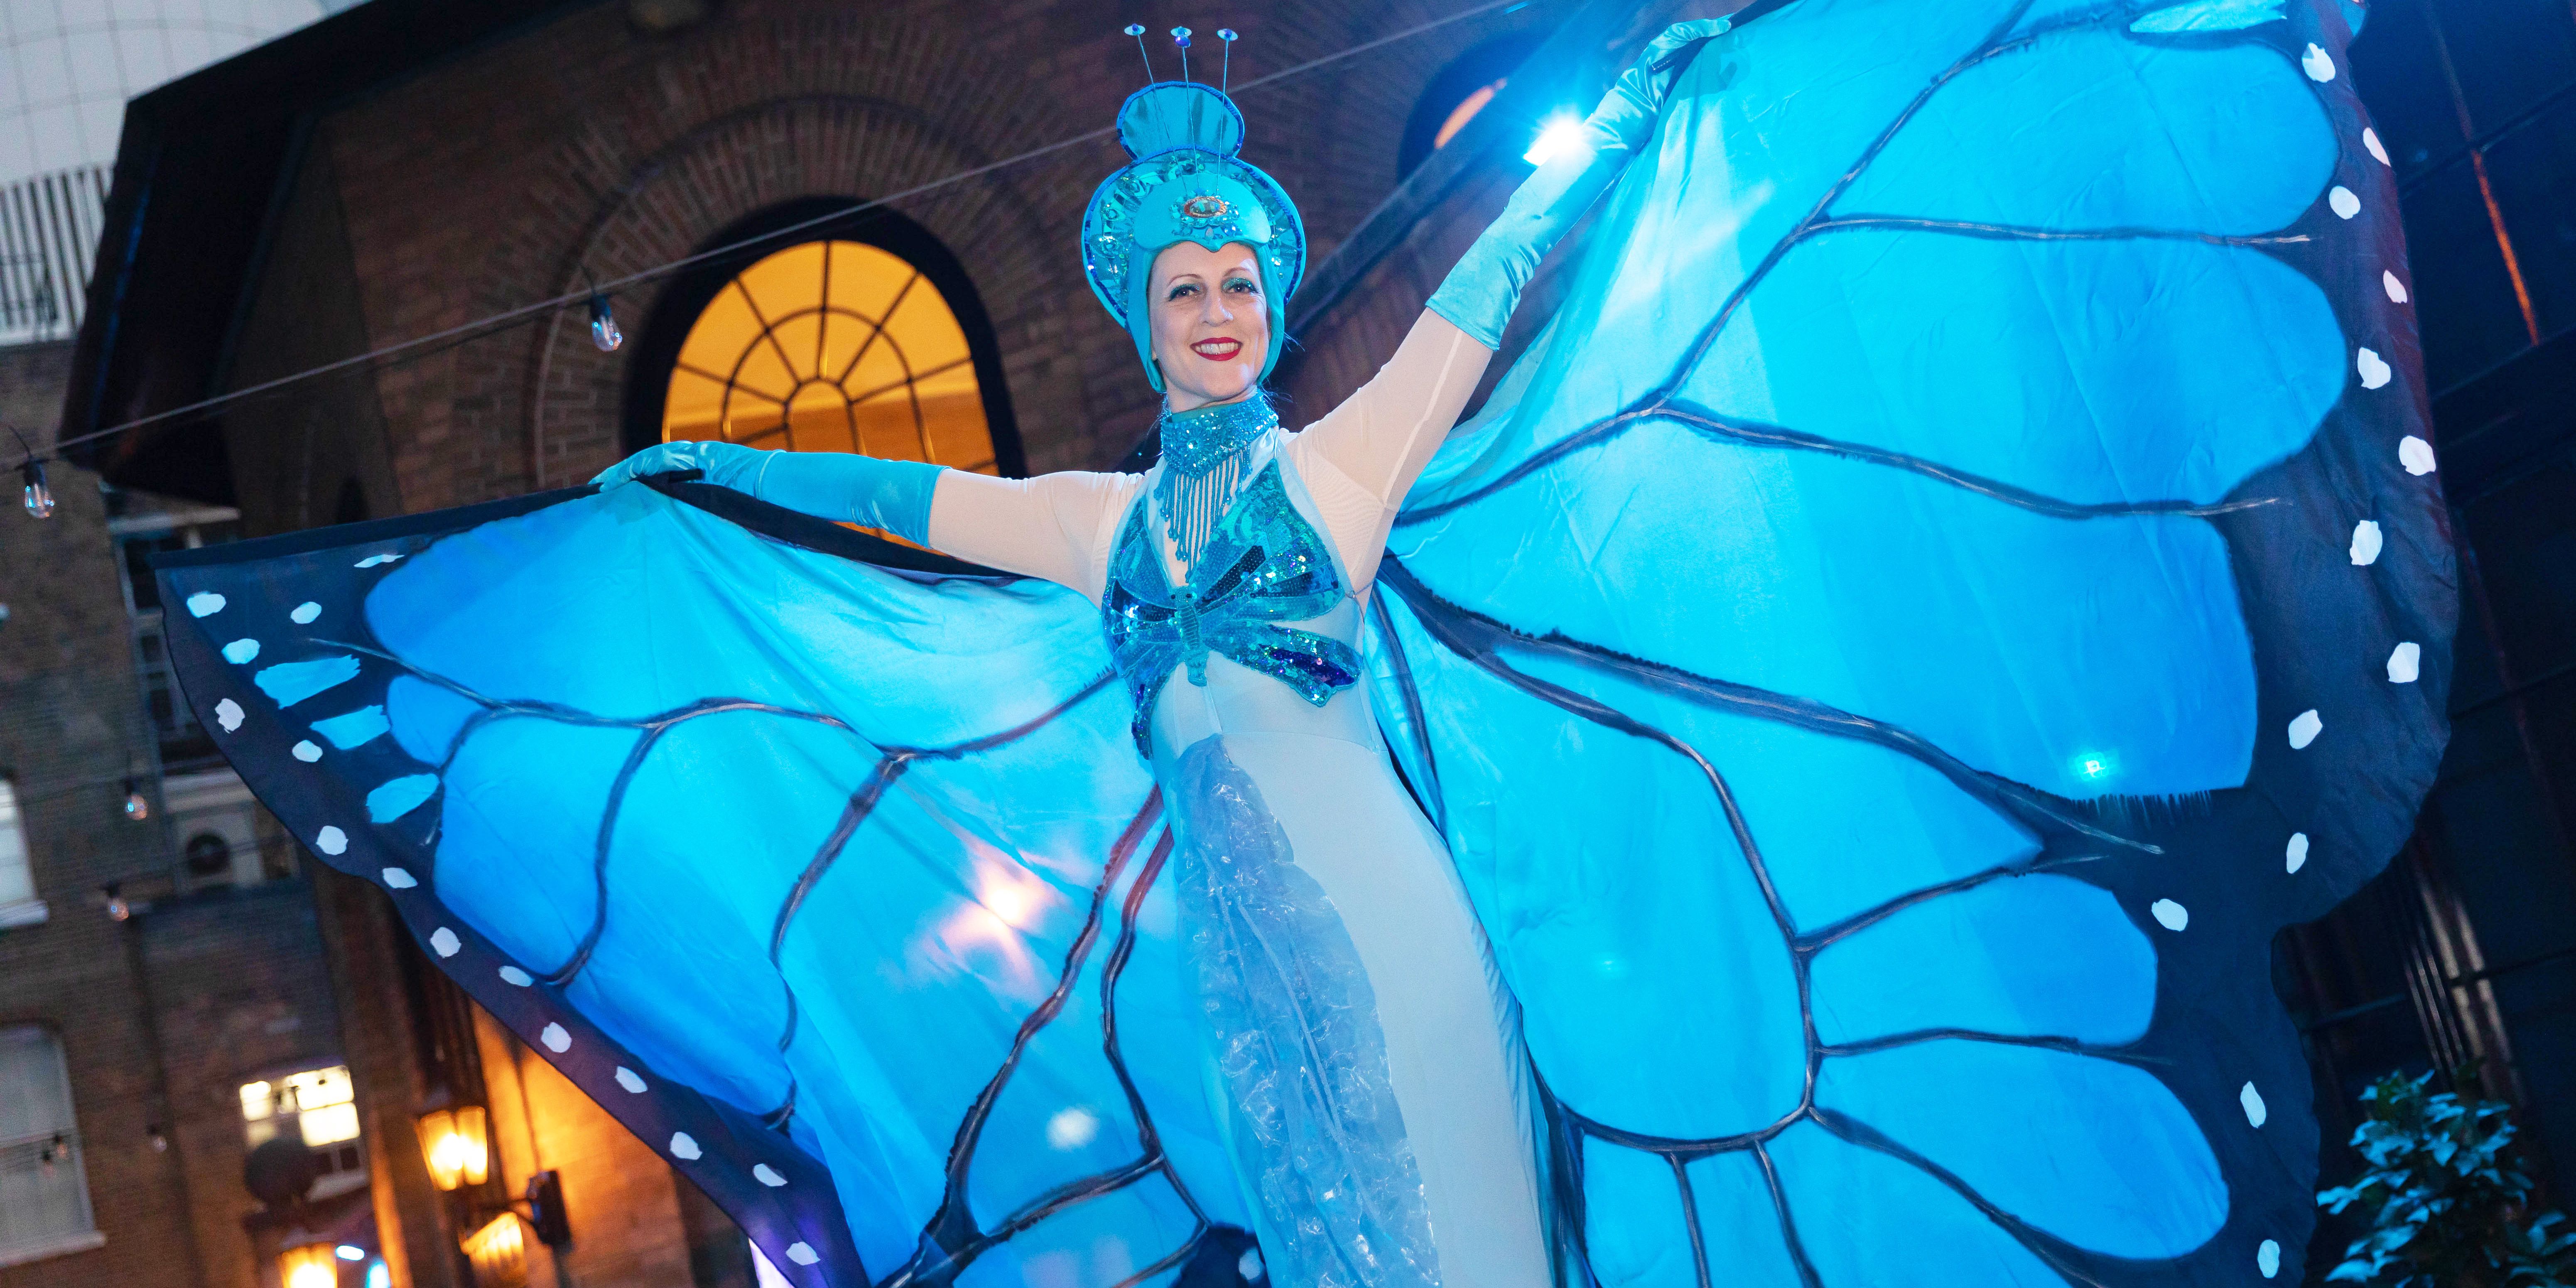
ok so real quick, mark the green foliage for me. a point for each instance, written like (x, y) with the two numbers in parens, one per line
(2448, 1203)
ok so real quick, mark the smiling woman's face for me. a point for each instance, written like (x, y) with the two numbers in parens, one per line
(1211, 323)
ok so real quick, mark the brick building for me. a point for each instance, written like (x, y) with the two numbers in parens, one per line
(158, 951)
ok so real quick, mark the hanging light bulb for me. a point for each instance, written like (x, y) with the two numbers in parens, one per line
(40, 498)
(603, 324)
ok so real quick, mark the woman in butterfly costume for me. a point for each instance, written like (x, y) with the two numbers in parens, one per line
(1795, 791)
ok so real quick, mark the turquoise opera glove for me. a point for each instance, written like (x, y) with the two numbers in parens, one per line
(890, 496)
(1486, 285)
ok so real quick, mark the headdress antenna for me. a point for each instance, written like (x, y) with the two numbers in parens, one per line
(1225, 69)
(1181, 37)
(1137, 29)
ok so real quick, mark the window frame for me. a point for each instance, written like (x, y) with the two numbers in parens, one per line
(68, 1241)
(656, 346)
(13, 826)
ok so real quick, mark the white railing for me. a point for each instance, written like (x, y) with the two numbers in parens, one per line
(49, 230)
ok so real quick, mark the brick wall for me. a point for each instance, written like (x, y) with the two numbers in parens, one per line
(164, 1015)
(70, 724)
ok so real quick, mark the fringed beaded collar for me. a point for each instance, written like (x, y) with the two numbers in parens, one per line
(1203, 456)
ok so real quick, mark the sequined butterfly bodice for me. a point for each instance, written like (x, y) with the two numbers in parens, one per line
(1264, 566)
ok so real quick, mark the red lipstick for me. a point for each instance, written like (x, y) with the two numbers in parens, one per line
(1217, 350)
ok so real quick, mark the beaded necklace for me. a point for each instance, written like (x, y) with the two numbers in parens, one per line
(1204, 450)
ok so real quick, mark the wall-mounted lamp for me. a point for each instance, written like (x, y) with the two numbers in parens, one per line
(310, 1265)
(137, 806)
(457, 1144)
(499, 1247)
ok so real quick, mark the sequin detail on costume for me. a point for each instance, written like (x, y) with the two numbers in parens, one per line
(1293, 1026)
(1264, 565)
(1204, 450)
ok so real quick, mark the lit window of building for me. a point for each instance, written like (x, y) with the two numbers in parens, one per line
(319, 1107)
(832, 346)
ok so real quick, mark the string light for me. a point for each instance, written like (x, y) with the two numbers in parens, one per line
(489, 324)
(603, 325)
(39, 497)
(31, 472)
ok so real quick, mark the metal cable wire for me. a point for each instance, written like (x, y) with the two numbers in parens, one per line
(437, 341)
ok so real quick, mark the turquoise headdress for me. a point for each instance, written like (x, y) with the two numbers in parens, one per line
(1186, 184)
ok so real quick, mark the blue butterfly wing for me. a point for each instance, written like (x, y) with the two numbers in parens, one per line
(822, 877)
(1959, 573)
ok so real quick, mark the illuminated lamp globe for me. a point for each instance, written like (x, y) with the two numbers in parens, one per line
(311, 1265)
(456, 1144)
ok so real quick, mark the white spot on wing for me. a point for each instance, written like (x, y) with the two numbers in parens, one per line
(2396, 289)
(228, 713)
(399, 879)
(241, 652)
(2374, 372)
(2305, 728)
(2170, 915)
(306, 751)
(305, 613)
(373, 561)
(1072, 1128)
(767, 1175)
(2297, 855)
(331, 840)
(444, 941)
(2370, 140)
(556, 1039)
(803, 1254)
(2365, 543)
(2319, 67)
(515, 977)
(205, 603)
(2405, 663)
(2415, 454)
(683, 1145)
(627, 1078)
(2345, 204)
(2268, 1258)
(2255, 1111)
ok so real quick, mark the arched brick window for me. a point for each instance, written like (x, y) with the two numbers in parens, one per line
(861, 340)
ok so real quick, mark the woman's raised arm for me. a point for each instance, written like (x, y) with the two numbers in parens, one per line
(1052, 526)
(1363, 456)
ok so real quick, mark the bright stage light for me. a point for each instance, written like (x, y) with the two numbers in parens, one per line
(1561, 135)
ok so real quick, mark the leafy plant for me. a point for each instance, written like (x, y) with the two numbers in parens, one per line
(2448, 1202)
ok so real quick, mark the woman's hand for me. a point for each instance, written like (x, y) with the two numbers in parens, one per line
(1627, 113)
(1481, 292)
(719, 463)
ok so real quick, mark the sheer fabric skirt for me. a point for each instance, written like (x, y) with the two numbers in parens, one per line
(1364, 1052)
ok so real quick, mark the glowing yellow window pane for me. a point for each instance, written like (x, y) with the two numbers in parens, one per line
(330, 1124)
(832, 347)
